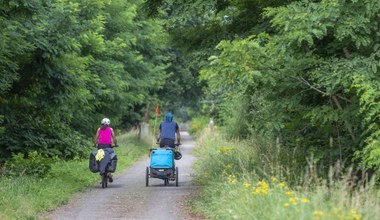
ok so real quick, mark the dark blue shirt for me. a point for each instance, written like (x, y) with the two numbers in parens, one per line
(168, 129)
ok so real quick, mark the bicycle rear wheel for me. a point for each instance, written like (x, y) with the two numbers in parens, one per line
(104, 181)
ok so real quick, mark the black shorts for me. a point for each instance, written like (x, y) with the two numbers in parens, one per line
(167, 142)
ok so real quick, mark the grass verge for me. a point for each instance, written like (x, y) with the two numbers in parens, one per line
(24, 197)
(239, 182)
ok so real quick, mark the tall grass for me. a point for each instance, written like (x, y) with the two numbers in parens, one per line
(244, 180)
(24, 197)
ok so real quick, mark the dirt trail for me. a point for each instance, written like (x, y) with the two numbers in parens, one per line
(128, 197)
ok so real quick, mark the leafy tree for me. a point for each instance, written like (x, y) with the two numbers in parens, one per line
(36, 103)
(67, 64)
(312, 81)
(195, 28)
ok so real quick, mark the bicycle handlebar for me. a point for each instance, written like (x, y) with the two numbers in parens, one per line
(168, 144)
(112, 146)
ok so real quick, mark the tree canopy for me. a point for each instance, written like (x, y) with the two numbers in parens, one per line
(311, 78)
(67, 64)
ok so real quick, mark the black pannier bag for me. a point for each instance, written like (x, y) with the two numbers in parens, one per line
(93, 164)
(113, 163)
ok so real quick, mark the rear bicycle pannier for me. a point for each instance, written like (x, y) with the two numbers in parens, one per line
(93, 164)
(113, 163)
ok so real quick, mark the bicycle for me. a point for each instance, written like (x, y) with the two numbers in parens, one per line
(105, 164)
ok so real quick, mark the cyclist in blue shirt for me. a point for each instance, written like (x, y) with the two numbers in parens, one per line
(168, 132)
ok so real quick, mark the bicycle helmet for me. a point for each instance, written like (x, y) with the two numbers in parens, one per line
(169, 117)
(105, 121)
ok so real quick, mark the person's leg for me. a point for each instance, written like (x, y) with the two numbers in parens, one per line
(110, 177)
(103, 163)
(109, 151)
(171, 143)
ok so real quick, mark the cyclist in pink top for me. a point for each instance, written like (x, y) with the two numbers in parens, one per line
(104, 135)
(104, 139)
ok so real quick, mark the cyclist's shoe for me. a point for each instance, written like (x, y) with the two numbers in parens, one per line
(110, 179)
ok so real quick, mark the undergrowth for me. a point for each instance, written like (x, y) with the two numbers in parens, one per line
(244, 180)
(24, 196)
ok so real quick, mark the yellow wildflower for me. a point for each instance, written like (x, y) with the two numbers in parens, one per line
(305, 200)
(232, 179)
(225, 150)
(293, 200)
(289, 193)
(281, 185)
(263, 184)
(317, 215)
(354, 215)
(274, 179)
(228, 166)
(247, 185)
(259, 191)
(286, 204)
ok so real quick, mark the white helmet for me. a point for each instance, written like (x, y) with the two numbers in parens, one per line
(105, 121)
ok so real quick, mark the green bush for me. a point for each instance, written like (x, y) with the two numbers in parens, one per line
(33, 164)
(198, 124)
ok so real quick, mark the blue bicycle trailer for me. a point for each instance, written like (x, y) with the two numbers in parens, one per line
(162, 166)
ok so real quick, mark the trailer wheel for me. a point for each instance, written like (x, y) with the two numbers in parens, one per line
(147, 177)
(176, 176)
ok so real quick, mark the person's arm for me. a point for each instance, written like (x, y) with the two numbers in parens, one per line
(113, 137)
(158, 136)
(178, 135)
(96, 137)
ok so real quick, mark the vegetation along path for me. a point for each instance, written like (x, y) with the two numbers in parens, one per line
(128, 197)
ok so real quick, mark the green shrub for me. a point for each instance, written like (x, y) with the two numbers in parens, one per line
(198, 124)
(33, 164)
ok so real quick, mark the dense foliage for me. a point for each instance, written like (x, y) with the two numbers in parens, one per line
(311, 81)
(65, 64)
(302, 72)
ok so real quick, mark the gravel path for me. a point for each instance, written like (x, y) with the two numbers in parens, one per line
(128, 197)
